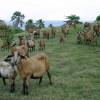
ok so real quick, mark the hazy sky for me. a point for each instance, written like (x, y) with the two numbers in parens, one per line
(50, 9)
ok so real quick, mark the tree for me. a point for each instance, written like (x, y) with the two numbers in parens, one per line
(17, 19)
(98, 18)
(29, 24)
(40, 23)
(73, 18)
(2, 22)
(50, 25)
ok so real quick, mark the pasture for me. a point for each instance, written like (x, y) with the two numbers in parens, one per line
(75, 71)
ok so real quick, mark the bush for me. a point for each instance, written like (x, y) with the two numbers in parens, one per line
(15, 30)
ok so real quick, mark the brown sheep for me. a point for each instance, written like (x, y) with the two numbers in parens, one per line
(96, 29)
(53, 32)
(31, 44)
(65, 31)
(87, 26)
(22, 49)
(46, 34)
(21, 40)
(34, 67)
(89, 37)
(41, 45)
(30, 30)
(37, 33)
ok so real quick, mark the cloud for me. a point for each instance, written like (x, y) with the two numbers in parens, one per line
(50, 9)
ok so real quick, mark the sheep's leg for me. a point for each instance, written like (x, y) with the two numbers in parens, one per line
(12, 85)
(34, 48)
(49, 76)
(44, 47)
(25, 86)
(4, 81)
(40, 80)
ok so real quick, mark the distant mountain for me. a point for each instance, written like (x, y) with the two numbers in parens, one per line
(48, 22)
(54, 22)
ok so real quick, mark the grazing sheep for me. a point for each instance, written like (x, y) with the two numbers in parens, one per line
(41, 45)
(34, 67)
(31, 45)
(8, 71)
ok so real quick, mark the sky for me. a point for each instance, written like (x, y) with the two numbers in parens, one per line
(50, 9)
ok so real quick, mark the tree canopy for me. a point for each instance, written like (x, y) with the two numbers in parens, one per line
(17, 18)
(74, 18)
(98, 18)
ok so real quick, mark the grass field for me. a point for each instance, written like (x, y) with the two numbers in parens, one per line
(75, 71)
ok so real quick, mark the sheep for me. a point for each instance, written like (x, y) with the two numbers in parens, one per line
(53, 32)
(8, 71)
(41, 45)
(79, 37)
(34, 67)
(31, 44)
(46, 34)
(23, 49)
(87, 26)
(65, 31)
(30, 30)
(21, 40)
(37, 33)
(90, 37)
(62, 39)
(96, 29)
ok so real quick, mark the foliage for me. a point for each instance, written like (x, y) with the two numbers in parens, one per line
(40, 23)
(17, 19)
(74, 18)
(29, 24)
(7, 33)
(98, 18)
(50, 25)
(6, 36)
(2, 22)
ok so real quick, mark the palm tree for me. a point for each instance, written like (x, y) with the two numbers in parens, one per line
(17, 18)
(40, 23)
(73, 18)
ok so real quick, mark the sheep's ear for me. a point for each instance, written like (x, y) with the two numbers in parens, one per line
(7, 59)
(9, 56)
(22, 56)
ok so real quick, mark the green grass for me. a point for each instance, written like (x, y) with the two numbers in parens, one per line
(75, 71)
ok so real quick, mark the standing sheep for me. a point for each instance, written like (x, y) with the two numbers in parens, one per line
(8, 71)
(41, 45)
(34, 67)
